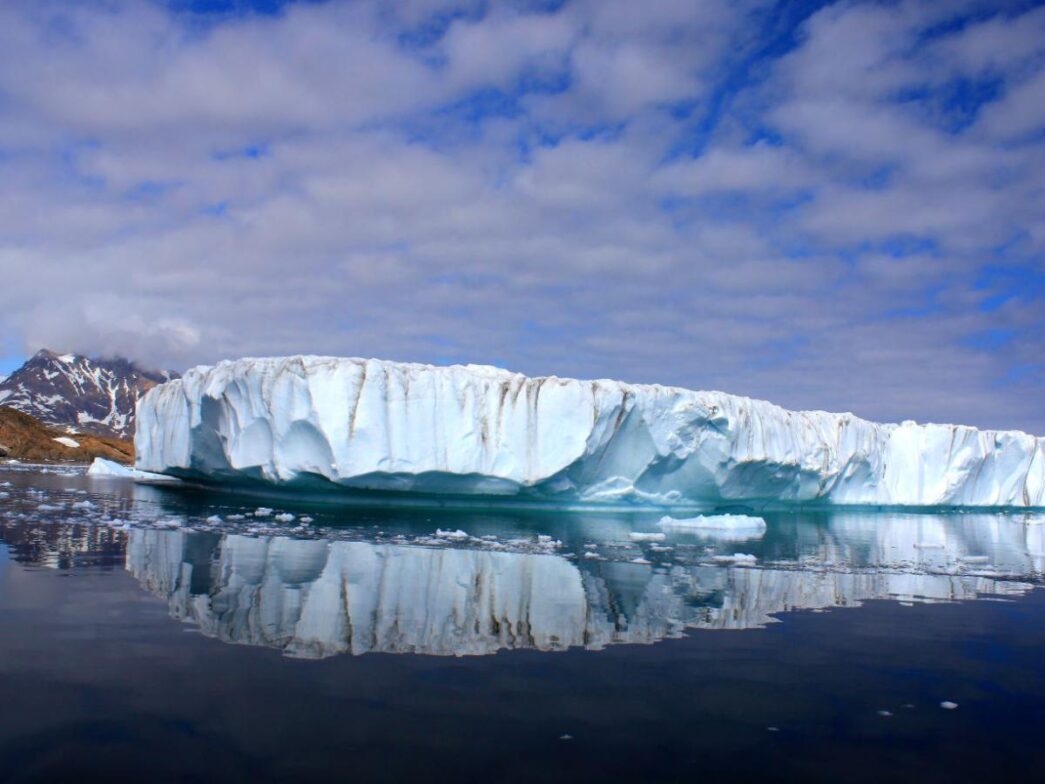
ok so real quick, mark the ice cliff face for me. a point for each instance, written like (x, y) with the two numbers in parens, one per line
(481, 431)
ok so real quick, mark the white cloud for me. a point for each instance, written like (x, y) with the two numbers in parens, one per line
(312, 181)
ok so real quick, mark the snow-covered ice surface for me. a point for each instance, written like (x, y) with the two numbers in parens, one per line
(476, 431)
(315, 580)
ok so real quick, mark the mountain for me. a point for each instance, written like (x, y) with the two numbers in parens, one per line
(78, 394)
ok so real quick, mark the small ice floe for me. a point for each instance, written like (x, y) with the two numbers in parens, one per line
(592, 555)
(263, 511)
(640, 560)
(455, 536)
(772, 729)
(590, 546)
(637, 536)
(49, 507)
(169, 522)
(235, 517)
(948, 705)
(285, 517)
(83, 505)
(737, 558)
(305, 520)
(565, 737)
(214, 520)
(547, 541)
(885, 713)
(720, 526)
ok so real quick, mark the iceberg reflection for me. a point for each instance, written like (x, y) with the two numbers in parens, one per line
(318, 598)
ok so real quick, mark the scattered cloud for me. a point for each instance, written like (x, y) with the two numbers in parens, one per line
(840, 208)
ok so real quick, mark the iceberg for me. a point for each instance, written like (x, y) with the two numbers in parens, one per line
(479, 432)
(726, 525)
(112, 470)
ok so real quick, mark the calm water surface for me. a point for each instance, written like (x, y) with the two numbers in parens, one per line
(155, 634)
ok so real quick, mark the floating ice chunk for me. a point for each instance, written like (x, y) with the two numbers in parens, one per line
(456, 536)
(591, 554)
(107, 468)
(285, 517)
(214, 519)
(749, 527)
(739, 558)
(948, 705)
(49, 507)
(637, 536)
(640, 560)
(263, 511)
(885, 713)
(305, 520)
(83, 505)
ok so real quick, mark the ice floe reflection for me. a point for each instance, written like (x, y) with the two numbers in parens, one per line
(320, 598)
(444, 583)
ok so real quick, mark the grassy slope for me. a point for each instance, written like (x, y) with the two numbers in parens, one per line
(23, 437)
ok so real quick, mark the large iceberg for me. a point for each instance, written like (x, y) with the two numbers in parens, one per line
(476, 431)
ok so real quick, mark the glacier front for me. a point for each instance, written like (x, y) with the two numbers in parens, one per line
(478, 432)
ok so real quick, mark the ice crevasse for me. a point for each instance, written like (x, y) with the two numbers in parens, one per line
(466, 431)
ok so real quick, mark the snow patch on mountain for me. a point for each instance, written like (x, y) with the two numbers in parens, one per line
(78, 394)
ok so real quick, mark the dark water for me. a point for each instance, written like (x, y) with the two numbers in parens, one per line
(140, 641)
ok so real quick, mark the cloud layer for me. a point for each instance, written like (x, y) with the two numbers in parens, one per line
(840, 209)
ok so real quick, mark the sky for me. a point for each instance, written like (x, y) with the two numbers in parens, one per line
(834, 206)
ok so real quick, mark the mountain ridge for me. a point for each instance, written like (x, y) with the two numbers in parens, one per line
(79, 394)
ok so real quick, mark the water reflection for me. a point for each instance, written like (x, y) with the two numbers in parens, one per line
(317, 598)
(446, 583)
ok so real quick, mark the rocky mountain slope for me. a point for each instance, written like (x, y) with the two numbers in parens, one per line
(78, 394)
(24, 438)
